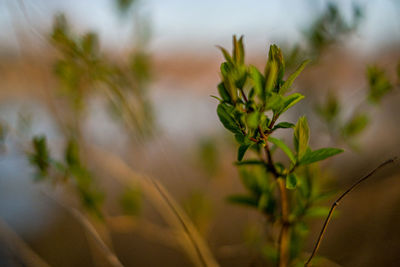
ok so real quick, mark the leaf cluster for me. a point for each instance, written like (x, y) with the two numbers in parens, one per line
(71, 169)
(82, 68)
(251, 103)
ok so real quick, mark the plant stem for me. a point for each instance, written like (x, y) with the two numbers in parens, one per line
(284, 236)
(336, 203)
(283, 241)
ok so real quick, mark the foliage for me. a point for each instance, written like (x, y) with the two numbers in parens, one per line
(251, 103)
(83, 71)
(331, 110)
(331, 26)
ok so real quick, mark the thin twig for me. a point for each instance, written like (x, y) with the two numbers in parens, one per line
(336, 203)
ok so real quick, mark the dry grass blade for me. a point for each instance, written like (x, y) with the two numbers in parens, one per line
(20, 248)
(90, 229)
(190, 239)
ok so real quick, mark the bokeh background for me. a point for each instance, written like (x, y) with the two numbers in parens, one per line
(182, 144)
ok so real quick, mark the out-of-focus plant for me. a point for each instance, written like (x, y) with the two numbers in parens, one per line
(327, 29)
(331, 110)
(251, 103)
(81, 70)
(84, 72)
(330, 27)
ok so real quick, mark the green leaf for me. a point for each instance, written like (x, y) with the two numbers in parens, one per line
(72, 154)
(275, 57)
(227, 57)
(274, 101)
(227, 119)
(250, 181)
(271, 76)
(40, 158)
(317, 211)
(242, 150)
(291, 181)
(257, 80)
(301, 136)
(330, 109)
(243, 200)
(288, 102)
(279, 143)
(288, 83)
(238, 50)
(223, 92)
(318, 155)
(283, 125)
(253, 119)
(249, 162)
(379, 84)
(356, 125)
(263, 202)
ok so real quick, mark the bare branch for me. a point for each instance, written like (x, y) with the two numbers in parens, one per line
(336, 203)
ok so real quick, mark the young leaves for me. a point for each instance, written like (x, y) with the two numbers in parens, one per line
(288, 83)
(304, 154)
(318, 155)
(225, 116)
(279, 143)
(242, 150)
(283, 125)
(301, 136)
(288, 102)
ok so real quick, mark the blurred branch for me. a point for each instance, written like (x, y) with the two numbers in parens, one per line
(145, 228)
(90, 229)
(20, 248)
(189, 238)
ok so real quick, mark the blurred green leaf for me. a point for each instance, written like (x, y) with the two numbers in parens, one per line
(243, 200)
(263, 201)
(356, 125)
(330, 109)
(291, 181)
(131, 201)
(379, 84)
(318, 211)
(208, 155)
(40, 157)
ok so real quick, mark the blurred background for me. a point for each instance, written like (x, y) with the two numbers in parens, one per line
(126, 85)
